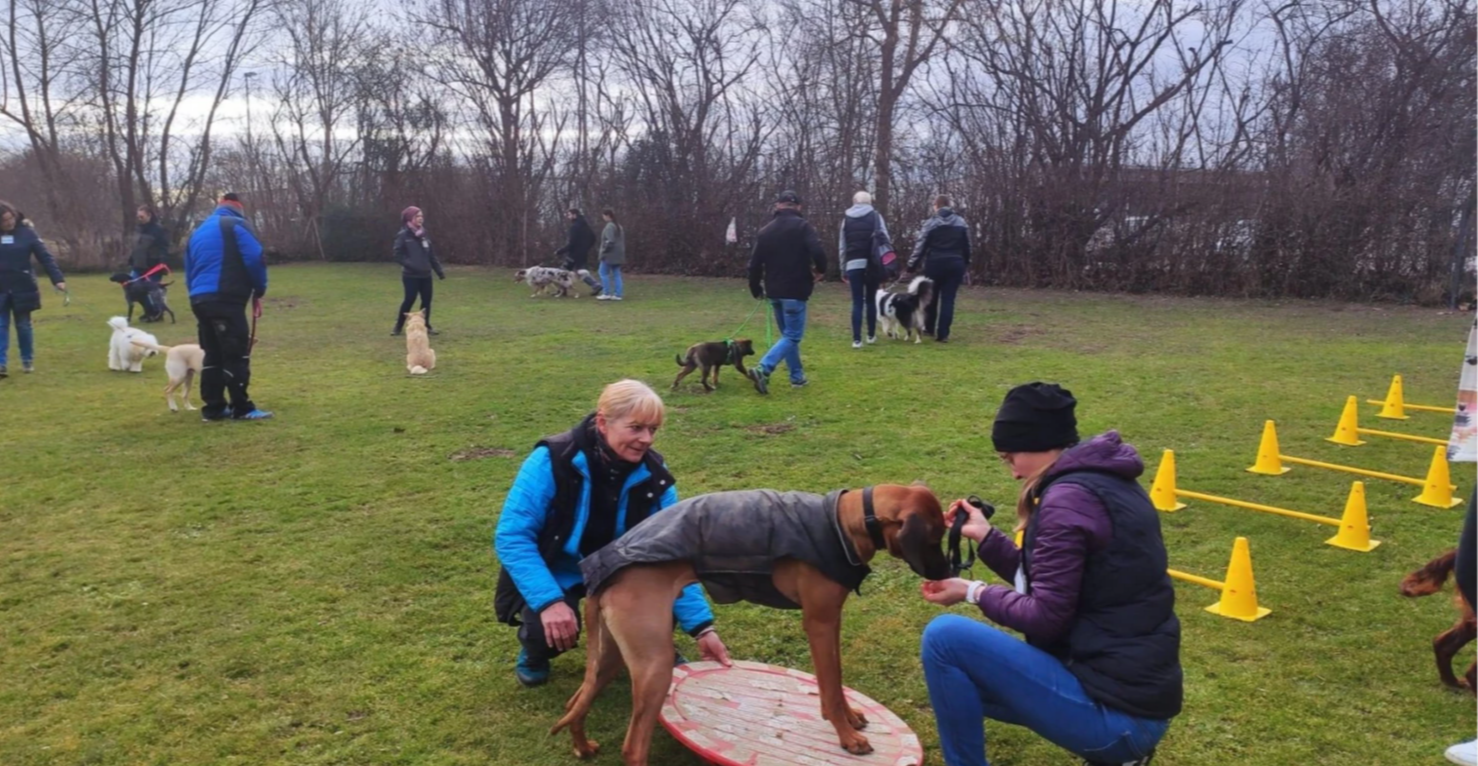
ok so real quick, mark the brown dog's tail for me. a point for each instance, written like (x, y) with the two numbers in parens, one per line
(578, 705)
(1430, 578)
(681, 362)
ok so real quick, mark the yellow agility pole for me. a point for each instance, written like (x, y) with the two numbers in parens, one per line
(1436, 487)
(1348, 432)
(1354, 527)
(1394, 406)
(1238, 592)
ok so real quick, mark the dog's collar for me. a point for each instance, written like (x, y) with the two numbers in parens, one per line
(870, 518)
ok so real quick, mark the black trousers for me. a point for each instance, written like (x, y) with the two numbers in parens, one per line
(1466, 564)
(414, 286)
(225, 336)
(531, 632)
(948, 275)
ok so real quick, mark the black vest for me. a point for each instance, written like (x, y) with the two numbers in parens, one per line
(857, 234)
(1124, 642)
(508, 602)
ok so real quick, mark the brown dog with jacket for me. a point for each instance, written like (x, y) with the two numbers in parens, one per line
(713, 356)
(632, 589)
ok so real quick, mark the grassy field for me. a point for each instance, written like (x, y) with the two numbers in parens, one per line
(317, 589)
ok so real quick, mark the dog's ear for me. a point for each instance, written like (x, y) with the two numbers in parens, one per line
(919, 546)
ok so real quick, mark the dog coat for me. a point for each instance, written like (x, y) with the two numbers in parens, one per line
(733, 540)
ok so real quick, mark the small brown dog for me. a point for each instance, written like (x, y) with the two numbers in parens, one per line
(713, 356)
(419, 358)
(1426, 581)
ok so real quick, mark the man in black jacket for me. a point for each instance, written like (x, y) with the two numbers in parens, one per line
(577, 248)
(788, 261)
(944, 249)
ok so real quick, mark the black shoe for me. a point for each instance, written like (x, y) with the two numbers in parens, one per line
(431, 331)
(3, 373)
(28, 368)
(942, 340)
(395, 333)
(1145, 761)
(221, 418)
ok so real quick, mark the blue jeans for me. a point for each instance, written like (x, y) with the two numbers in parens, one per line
(863, 290)
(23, 332)
(975, 671)
(610, 279)
(948, 275)
(790, 318)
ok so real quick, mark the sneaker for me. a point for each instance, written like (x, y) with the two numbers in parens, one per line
(871, 339)
(432, 331)
(529, 672)
(255, 415)
(1465, 753)
(615, 297)
(856, 344)
(395, 333)
(1145, 761)
(802, 383)
(3, 373)
(761, 380)
(28, 368)
(603, 297)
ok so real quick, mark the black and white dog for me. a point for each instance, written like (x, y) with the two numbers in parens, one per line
(147, 294)
(902, 313)
(544, 279)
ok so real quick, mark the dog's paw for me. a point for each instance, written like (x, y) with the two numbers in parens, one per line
(587, 749)
(856, 744)
(856, 718)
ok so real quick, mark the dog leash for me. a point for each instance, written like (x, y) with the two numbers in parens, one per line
(757, 303)
(956, 566)
(149, 273)
(256, 312)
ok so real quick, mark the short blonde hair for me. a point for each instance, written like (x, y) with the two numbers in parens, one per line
(862, 198)
(633, 399)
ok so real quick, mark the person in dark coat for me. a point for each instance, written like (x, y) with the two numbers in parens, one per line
(575, 494)
(225, 271)
(943, 250)
(1099, 672)
(19, 292)
(150, 248)
(784, 267)
(417, 260)
(576, 250)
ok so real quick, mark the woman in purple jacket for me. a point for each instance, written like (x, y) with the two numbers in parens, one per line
(1099, 672)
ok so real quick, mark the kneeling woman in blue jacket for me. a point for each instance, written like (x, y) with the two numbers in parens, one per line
(577, 492)
(1099, 672)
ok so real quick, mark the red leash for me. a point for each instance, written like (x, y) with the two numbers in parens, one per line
(149, 273)
(256, 312)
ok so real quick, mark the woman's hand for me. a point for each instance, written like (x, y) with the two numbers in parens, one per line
(62, 286)
(711, 648)
(560, 626)
(976, 527)
(945, 592)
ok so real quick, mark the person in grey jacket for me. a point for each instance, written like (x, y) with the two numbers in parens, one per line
(944, 251)
(856, 242)
(612, 256)
(417, 260)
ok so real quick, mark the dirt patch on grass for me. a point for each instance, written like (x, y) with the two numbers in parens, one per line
(770, 429)
(1013, 335)
(480, 453)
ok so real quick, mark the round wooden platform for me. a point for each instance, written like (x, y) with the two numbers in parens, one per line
(755, 714)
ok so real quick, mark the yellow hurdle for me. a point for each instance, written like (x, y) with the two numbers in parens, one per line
(1238, 592)
(1348, 431)
(1270, 463)
(1394, 406)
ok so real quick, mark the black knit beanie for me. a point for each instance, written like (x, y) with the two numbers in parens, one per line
(1035, 417)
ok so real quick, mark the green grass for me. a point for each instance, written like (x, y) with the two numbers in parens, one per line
(317, 589)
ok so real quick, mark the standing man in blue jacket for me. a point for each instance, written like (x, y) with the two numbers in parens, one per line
(225, 271)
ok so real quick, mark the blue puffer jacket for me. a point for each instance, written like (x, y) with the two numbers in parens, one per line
(529, 507)
(18, 284)
(216, 271)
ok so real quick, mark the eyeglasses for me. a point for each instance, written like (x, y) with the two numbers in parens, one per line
(1006, 457)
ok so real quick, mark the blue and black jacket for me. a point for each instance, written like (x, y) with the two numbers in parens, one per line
(546, 514)
(223, 261)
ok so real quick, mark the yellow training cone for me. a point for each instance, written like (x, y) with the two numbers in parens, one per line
(1239, 593)
(1348, 430)
(1437, 491)
(1354, 526)
(1394, 407)
(1162, 492)
(1269, 462)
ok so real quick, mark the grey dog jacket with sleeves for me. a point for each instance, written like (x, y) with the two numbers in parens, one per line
(733, 541)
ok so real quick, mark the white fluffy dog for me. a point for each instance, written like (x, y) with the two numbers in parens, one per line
(122, 353)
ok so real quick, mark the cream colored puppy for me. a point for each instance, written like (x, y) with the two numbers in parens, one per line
(122, 354)
(419, 358)
(182, 363)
